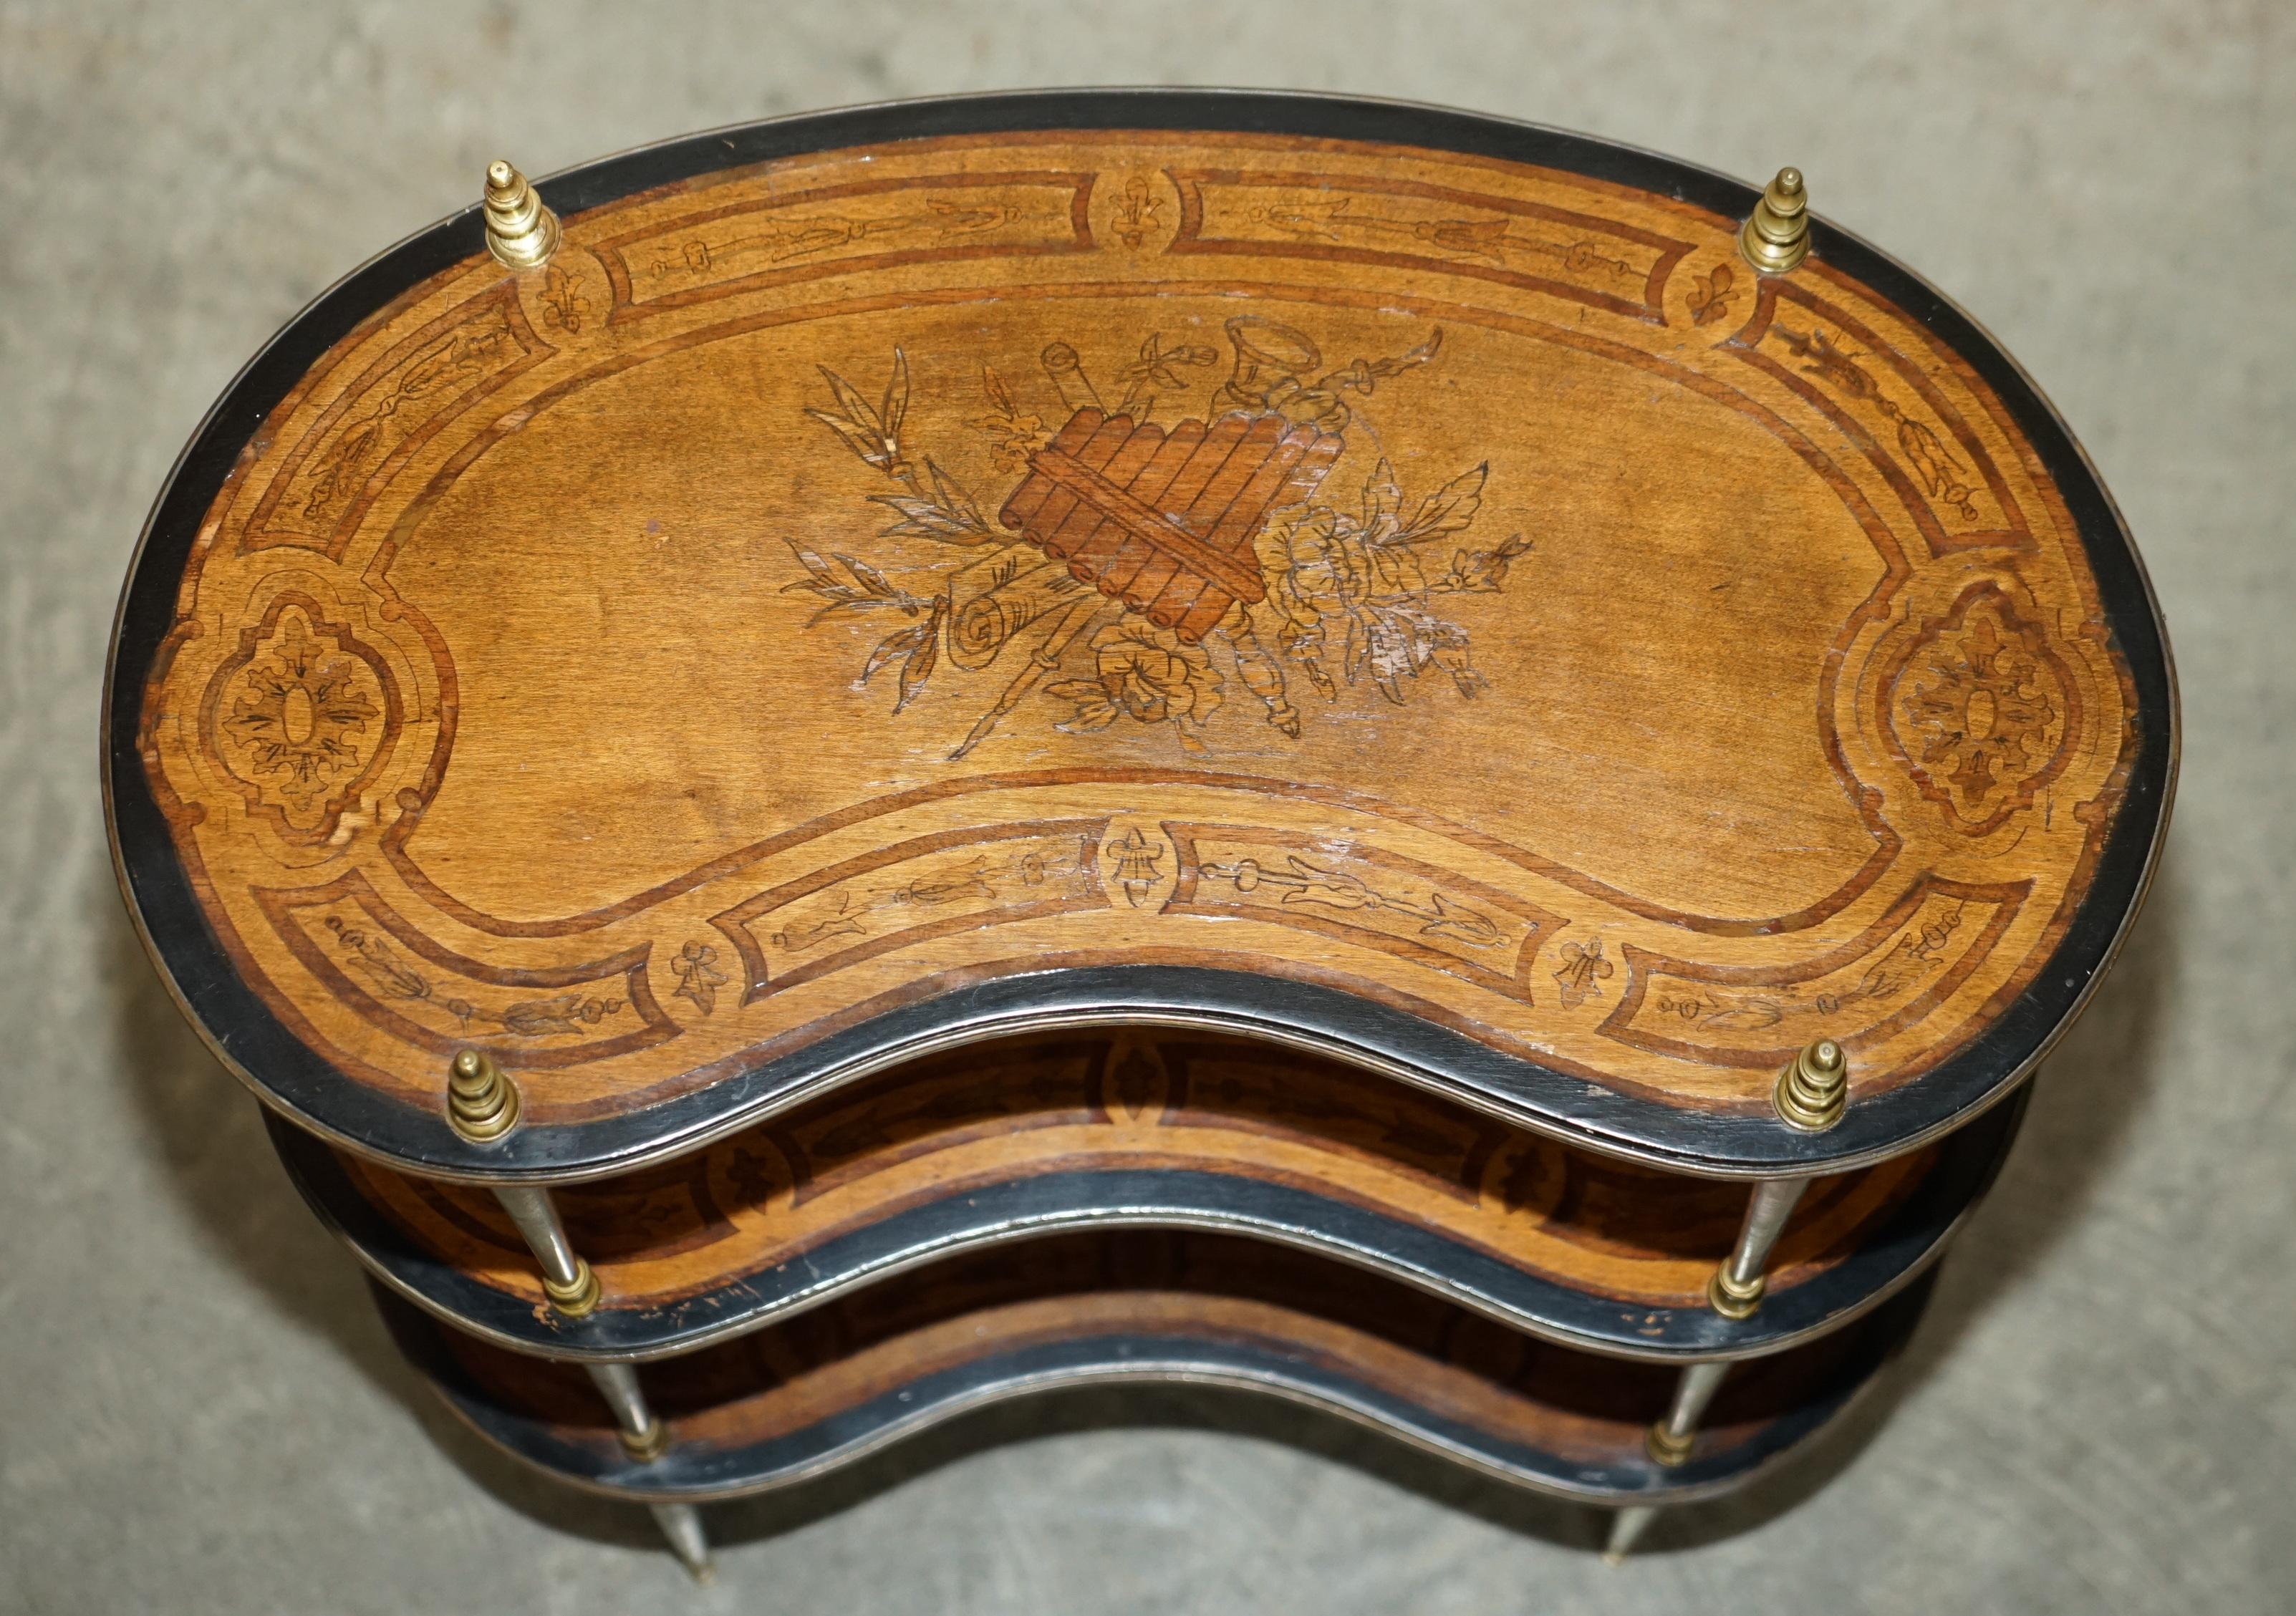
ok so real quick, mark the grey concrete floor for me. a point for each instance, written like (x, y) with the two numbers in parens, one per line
(198, 1410)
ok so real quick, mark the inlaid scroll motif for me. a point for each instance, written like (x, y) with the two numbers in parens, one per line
(1140, 574)
(911, 892)
(404, 398)
(376, 961)
(1372, 898)
(302, 718)
(844, 228)
(1980, 710)
(1404, 224)
(1902, 968)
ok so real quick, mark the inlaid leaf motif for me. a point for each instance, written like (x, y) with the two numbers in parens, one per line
(873, 434)
(1447, 510)
(862, 588)
(948, 514)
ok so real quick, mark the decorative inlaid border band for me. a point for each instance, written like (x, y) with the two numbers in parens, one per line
(1902, 967)
(1398, 224)
(808, 234)
(1359, 894)
(378, 422)
(912, 893)
(372, 959)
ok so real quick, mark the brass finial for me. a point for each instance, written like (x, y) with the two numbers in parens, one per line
(520, 232)
(1814, 1087)
(481, 1102)
(1778, 236)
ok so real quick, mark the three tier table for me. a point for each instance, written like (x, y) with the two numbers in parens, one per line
(859, 765)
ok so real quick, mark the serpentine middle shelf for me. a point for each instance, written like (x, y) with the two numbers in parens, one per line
(1147, 1128)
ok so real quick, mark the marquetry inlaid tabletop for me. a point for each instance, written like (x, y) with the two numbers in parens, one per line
(1395, 581)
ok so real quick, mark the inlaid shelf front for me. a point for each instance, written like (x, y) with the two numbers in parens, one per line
(802, 1398)
(772, 720)
(1020, 1140)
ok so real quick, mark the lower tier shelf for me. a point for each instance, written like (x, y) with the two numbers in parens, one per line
(1147, 1128)
(805, 1396)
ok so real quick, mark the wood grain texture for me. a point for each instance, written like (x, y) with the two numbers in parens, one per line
(804, 1397)
(1019, 1140)
(837, 581)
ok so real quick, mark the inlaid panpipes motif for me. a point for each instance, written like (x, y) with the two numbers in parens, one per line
(1162, 546)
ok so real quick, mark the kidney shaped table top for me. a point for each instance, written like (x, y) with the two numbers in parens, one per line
(1384, 580)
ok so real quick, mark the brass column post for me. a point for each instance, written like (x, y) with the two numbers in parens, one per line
(1809, 1096)
(566, 1278)
(1735, 1290)
(483, 1106)
(643, 1436)
(1670, 1439)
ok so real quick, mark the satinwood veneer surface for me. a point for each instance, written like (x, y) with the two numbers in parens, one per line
(1384, 578)
(842, 1380)
(1025, 1137)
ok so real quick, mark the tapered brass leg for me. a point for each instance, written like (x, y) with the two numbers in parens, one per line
(566, 1278)
(644, 1437)
(1669, 1442)
(1735, 1290)
(681, 1523)
(1626, 1526)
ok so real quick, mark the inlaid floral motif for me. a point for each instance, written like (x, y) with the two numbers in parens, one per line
(300, 716)
(1147, 673)
(1584, 971)
(1941, 475)
(391, 976)
(1979, 709)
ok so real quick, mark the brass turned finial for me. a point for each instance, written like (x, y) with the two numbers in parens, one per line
(481, 1102)
(520, 232)
(1814, 1087)
(1778, 236)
